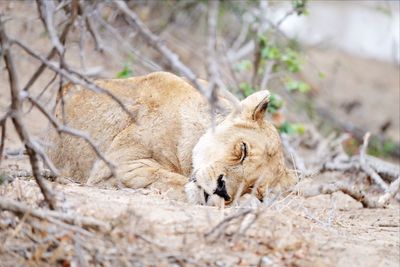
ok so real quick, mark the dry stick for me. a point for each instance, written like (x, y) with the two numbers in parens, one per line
(216, 85)
(391, 192)
(63, 129)
(71, 76)
(297, 160)
(212, 70)
(383, 167)
(16, 107)
(94, 33)
(356, 194)
(3, 122)
(71, 218)
(123, 43)
(365, 166)
(46, 12)
(154, 41)
(173, 59)
(53, 51)
(227, 220)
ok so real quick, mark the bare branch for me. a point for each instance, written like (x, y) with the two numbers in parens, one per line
(46, 11)
(154, 41)
(75, 77)
(391, 192)
(53, 51)
(63, 129)
(3, 123)
(298, 162)
(94, 33)
(358, 195)
(366, 168)
(225, 221)
(123, 42)
(71, 218)
(16, 107)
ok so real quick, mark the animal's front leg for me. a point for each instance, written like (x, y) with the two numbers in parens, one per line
(139, 173)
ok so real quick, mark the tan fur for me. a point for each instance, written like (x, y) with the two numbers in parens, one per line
(170, 139)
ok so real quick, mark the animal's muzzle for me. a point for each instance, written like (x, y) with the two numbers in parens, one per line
(221, 188)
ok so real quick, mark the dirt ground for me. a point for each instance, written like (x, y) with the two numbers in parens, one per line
(294, 231)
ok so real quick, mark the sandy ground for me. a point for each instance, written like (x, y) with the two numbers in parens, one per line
(320, 231)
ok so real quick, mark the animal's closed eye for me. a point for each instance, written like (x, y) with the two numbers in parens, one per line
(244, 152)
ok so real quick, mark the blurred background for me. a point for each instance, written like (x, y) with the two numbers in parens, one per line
(331, 65)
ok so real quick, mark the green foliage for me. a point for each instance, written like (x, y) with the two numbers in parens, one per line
(275, 103)
(381, 148)
(246, 89)
(126, 72)
(292, 60)
(292, 128)
(300, 6)
(2, 178)
(280, 56)
(294, 85)
(268, 50)
(321, 75)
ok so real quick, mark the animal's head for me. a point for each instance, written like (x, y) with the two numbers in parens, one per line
(242, 152)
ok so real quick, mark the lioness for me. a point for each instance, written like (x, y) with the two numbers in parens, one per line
(170, 140)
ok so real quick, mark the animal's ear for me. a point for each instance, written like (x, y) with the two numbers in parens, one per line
(254, 106)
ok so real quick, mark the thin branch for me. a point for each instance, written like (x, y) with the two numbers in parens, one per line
(365, 166)
(16, 107)
(212, 70)
(356, 194)
(70, 218)
(53, 51)
(46, 11)
(391, 192)
(154, 41)
(149, 64)
(74, 77)
(3, 123)
(298, 162)
(94, 33)
(63, 129)
(228, 219)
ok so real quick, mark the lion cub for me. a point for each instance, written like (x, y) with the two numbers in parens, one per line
(170, 140)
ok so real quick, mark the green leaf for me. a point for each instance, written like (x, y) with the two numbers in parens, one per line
(275, 103)
(292, 128)
(126, 72)
(246, 89)
(270, 52)
(286, 127)
(292, 60)
(294, 85)
(299, 128)
(300, 7)
(321, 75)
(263, 40)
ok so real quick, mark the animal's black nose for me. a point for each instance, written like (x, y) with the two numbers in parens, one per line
(221, 189)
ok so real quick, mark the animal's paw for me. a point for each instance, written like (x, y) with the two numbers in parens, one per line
(193, 193)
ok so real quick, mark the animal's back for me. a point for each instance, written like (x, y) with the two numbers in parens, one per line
(170, 117)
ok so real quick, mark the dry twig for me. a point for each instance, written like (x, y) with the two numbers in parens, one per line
(358, 195)
(64, 129)
(74, 77)
(70, 218)
(365, 166)
(15, 113)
